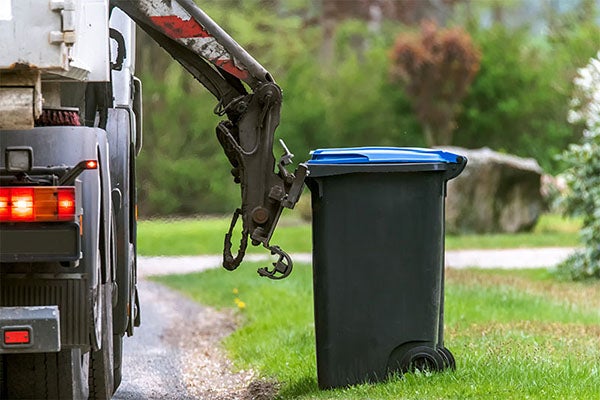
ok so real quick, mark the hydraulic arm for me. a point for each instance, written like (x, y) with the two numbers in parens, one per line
(249, 99)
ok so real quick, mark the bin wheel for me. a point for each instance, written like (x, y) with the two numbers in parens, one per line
(449, 361)
(422, 358)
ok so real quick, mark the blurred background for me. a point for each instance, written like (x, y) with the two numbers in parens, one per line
(468, 73)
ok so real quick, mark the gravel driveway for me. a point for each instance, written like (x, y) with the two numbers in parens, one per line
(176, 353)
(501, 258)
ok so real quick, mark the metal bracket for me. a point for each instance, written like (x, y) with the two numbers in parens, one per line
(282, 266)
(67, 14)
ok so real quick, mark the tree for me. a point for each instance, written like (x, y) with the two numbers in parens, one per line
(375, 12)
(583, 176)
(435, 68)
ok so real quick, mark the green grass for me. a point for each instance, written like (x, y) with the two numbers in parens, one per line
(515, 335)
(205, 236)
(552, 230)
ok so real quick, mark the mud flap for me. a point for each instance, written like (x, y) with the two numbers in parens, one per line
(137, 318)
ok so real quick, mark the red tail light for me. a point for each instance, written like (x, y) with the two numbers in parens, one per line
(4, 204)
(66, 203)
(21, 204)
(37, 204)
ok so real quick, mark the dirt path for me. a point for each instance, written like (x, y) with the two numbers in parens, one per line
(502, 258)
(176, 353)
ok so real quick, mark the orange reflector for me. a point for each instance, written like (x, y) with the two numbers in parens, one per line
(91, 164)
(37, 204)
(17, 337)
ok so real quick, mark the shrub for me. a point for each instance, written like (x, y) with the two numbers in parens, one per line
(435, 68)
(583, 176)
(519, 100)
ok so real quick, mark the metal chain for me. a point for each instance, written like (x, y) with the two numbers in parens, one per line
(229, 262)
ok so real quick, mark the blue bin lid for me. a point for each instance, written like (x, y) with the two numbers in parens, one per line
(381, 155)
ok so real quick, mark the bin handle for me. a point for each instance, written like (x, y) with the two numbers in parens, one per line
(457, 168)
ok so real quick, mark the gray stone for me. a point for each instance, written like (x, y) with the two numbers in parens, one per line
(495, 193)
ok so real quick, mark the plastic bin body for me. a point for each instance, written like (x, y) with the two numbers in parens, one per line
(378, 263)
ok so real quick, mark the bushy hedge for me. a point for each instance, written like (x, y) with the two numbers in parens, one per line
(583, 174)
(519, 101)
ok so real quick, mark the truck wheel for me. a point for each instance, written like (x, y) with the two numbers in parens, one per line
(2, 383)
(101, 380)
(62, 375)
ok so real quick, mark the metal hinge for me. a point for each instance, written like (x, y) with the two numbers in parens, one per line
(67, 12)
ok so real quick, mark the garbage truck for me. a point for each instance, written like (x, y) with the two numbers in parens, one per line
(70, 132)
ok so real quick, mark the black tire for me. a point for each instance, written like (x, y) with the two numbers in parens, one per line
(3, 394)
(449, 361)
(101, 379)
(422, 358)
(62, 375)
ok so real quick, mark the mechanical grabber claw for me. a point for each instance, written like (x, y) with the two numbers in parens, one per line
(282, 266)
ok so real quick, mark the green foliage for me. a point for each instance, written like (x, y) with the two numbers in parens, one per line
(520, 99)
(183, 170)
(518, 102)
(584, 199)
(348, 103)
(583, 175)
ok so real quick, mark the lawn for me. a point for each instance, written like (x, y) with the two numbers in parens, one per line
(205, 236)
(515, 334)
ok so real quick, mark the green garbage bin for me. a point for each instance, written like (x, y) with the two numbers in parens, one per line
(378, 261)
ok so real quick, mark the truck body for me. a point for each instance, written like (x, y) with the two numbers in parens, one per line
(70, 132)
